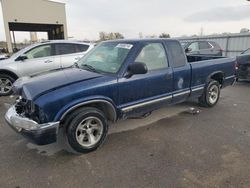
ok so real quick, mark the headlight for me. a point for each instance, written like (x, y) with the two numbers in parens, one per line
(29, 109)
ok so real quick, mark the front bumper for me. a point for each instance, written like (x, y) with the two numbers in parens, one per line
(243, 72)
(40, 134)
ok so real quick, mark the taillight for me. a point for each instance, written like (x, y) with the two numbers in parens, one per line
(221, 51)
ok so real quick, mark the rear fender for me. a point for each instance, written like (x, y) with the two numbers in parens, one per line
(218, 76)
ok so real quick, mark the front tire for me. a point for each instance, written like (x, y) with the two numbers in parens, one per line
(86, 129)
(211, 94)
(6, 83)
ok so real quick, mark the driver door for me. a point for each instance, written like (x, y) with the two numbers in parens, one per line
(39, 59)
(146, 92)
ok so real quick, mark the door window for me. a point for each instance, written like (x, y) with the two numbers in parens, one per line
(194, 46)
(40, 51)
(64, 48)
(82, 47)
(154, 56)
(204, 45)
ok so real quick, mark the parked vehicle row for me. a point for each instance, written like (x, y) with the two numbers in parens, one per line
(116, 80)
(40, 57)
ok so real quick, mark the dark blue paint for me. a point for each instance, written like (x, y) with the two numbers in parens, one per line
(56, 92)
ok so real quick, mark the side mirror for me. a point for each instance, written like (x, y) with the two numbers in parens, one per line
(136, 68)
(21, 58)
(187, 50)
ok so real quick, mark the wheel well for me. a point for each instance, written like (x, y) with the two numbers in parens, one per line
(107, 108)
(9, 73)
(219, 77)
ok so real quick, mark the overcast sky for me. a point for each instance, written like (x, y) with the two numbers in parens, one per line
(86, 19)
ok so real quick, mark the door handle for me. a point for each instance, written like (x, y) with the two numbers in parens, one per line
(47, 61)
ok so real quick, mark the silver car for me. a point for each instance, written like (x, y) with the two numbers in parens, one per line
(40, 57)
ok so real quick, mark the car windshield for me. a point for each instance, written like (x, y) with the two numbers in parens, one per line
(247, 51)
(106, 57)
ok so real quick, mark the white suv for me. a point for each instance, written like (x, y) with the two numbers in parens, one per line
(40, 57)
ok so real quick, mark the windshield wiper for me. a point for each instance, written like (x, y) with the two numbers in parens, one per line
(75, 65)
(89, 67)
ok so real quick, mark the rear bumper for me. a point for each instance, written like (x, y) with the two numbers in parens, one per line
(40, 134)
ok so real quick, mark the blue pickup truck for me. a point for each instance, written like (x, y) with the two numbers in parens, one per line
(116, 80)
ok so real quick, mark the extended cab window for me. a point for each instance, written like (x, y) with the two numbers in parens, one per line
(154, 56)
(40, 51)
(64, 48)
(177, 54)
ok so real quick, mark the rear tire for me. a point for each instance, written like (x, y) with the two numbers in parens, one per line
(211, 94)
(6, 83)
(86, 129)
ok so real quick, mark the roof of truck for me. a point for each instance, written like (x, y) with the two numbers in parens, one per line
(142, 40)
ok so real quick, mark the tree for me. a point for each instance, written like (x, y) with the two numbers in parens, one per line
(102, 36)
(110, 36)
(244, 30)
(118, 35)
(164, 35)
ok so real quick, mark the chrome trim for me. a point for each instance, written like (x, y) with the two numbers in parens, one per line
(229, 77)
(197, 89)
(89, 102)
(19, 122)
(181, 93)
(146, 103)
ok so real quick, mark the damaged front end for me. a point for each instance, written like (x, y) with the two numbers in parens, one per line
(28, 119)
(243, 71)
(27, 108)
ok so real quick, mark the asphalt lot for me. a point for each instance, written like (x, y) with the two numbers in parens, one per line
(171, 148)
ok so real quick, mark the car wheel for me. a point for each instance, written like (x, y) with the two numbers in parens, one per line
(86, 129)
(6, 83)
(211, 94)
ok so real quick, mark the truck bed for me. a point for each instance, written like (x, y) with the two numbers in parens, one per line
(201, 69)
(194, 58)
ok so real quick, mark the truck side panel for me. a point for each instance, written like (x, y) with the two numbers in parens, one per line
(204, 70)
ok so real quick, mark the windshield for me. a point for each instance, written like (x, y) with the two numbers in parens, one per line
(247, 51)
(106, 57)
(22, 51)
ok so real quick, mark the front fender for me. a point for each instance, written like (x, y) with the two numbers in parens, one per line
(83, 102)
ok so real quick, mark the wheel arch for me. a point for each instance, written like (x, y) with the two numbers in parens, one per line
(218, 76)
(8, 72)
(105, 106)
